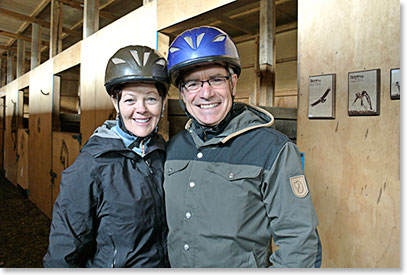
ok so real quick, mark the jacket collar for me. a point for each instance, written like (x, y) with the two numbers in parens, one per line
(105, 140)
(244, 118)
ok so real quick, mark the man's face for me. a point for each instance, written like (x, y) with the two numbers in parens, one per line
(140, 107)
(209, 105)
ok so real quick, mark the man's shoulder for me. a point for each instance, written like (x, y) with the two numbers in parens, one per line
(264, 136)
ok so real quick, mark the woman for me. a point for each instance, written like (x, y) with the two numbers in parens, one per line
(110, 210)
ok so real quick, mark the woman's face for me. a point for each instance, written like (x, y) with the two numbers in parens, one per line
(140, 108)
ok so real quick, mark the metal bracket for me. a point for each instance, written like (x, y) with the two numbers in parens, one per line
(44, 93)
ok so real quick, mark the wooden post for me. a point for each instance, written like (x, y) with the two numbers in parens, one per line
(1, 74)
(164, 126)
(90, 17)
(35, 45)
(55, 40)
(10, 67)
(20, 57)
(267, 54)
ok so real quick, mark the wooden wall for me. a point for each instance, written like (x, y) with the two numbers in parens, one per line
(352, 163)
(137, 27)
(92, 54)
(286, 70)
(22, 151)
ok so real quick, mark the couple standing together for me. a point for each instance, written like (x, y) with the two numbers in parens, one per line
(213, 196)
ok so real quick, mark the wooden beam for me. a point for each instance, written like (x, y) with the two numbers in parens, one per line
(31, 19)
(235, 24)
(80, 5)
(35, 45)
(10, 67)
(90, 17)
(55, 41)
(267, 53)
(20, 57)
(19, 36)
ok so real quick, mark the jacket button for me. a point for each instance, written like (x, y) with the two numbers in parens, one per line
(188, 215)
(192, 184)
(199, 155)
(231, 176)
(186, 247)
(170, 170)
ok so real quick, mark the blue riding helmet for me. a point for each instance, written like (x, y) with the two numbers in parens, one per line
(201, 45)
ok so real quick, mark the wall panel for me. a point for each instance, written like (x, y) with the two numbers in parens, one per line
(65, 149)
(95, 103)
(40, 136)
(22, 151)
(171, 12)
(352, 163)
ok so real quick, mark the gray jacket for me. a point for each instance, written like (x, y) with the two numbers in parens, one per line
(229, 194)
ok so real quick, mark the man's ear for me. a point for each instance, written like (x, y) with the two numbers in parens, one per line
(115, 103)
(182, 95)
(234, 83)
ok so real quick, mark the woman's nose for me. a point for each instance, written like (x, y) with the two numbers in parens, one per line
(141, 107)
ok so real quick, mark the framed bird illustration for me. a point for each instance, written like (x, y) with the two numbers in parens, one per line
(364, 93)
(321, 103)
(395, 83)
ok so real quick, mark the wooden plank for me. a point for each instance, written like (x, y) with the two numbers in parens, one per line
(10, 134)
(55, 39)
(162, 47)
(267, 52)
(91, 17)
(95, 103)
(32, 19)
(170, 12)
(10, 67)
(65, 149)
(20, 57)
(22, 151)
(2, 131)
(35, 45)
(40, 136)
(352, 163)
(282, 113)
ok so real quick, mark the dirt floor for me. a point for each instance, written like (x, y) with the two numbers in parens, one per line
(24, 229)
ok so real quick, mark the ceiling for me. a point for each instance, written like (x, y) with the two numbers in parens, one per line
(16, 17)
(240, 19)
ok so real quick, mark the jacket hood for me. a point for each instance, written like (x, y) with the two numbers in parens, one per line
(105, 140)
(249, 117)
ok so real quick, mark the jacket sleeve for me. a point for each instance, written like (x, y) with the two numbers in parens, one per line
(293, 220)
(72, 235)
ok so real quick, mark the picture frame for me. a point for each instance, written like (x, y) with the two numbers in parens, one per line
(321, 96)
(364, 93)
(395, 83)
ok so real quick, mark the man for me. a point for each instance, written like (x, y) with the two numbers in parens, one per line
(231, 181)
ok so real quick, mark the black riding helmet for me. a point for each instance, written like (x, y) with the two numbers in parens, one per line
(136, 64)
(133, 64)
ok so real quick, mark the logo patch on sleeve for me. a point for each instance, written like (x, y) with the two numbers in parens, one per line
(299, 186)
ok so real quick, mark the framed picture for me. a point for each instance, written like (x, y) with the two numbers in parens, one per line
(364, 93)
(321, 102)
(395, 83)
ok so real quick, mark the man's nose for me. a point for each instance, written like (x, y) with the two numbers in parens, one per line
(206, 90)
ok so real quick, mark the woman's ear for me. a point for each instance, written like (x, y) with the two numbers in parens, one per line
(115, 103)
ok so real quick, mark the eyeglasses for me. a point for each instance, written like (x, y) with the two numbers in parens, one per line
(194, 86)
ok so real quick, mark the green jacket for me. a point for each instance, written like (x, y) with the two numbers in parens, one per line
(228, 193)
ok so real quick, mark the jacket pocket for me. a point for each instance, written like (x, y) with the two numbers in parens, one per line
(175, 166)
(234, 172)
